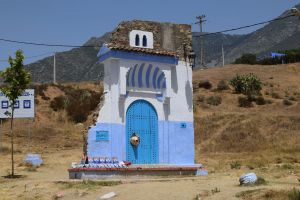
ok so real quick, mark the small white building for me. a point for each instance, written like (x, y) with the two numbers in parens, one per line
(147, 115)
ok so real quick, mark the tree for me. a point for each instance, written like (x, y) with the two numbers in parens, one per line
(246, 59)
(16, 79)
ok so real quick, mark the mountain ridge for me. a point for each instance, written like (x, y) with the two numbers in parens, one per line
(81, 64)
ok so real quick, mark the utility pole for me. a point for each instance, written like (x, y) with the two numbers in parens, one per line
(223, 56)
(54, 69)
(201, 19)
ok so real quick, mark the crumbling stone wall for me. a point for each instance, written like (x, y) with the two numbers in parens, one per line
(172, 39)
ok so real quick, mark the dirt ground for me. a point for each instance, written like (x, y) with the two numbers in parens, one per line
(50, 180)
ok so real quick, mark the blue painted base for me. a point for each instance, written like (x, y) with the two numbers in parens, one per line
(175, 142)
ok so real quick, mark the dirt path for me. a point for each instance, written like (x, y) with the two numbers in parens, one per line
(42, 183)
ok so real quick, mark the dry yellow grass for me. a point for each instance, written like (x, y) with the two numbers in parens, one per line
(272, 129)
(264, 139)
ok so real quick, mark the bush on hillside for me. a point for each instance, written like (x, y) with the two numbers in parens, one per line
(245, 102)
(260, 100)
(214, 100)
(222, 85)
(77, 102)
(291, 56)
(59, 103)
(275, 95)
(248, 84)
(287, 102)
(294, 194)
(246, 59)
(205, 84)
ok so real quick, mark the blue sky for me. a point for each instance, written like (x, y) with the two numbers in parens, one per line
(75, 21)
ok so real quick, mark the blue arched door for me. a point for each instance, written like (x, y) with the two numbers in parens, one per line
(141, 119)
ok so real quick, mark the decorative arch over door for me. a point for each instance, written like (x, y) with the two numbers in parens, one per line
(142, 121)
(146, 76)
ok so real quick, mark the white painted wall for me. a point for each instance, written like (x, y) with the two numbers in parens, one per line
(149, 36)
(176, 107)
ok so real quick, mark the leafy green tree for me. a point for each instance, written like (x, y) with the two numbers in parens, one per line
(246, 59)
(248, 84)
(16, 79)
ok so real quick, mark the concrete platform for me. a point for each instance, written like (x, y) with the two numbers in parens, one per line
(136, 170)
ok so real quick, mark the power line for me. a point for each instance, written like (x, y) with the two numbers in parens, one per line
(44, 44)
(35, 56)
(92, 46)
(243, 27)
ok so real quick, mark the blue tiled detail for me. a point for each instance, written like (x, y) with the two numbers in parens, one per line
(160, 97)
(102, 136)
(154, 77)
(175, 144)
(160, 78)
(141, 75)
(164, 84)
(148, 75)
(183, 125)
(132, 77)
(137, 56)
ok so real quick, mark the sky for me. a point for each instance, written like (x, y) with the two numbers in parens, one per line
(73, 22)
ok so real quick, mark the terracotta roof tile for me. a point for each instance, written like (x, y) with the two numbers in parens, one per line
(169, 39)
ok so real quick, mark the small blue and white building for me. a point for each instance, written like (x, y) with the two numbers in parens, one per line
(147, 113)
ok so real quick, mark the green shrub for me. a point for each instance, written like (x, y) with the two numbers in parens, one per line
(245, 102)
(292, 98)
(77, 102)
(287, 102)
(246, 59)
(235, 165)
(248, 84)
(294, 194)
(260, 181)
(222, 85)
(205, 84)
(260, 100)
(59, 103)
(214, 100)
(275, 95)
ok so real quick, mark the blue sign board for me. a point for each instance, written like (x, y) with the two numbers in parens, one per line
(102, 136)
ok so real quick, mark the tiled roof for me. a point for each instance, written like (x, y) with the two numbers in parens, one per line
(142, 50)
(169, 39)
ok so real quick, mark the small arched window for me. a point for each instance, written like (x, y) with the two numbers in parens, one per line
(144, 41)
(137, 40)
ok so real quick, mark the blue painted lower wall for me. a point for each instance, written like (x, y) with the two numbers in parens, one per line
(175, 139)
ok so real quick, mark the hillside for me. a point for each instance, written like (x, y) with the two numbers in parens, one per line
(263, 139)
(272, 128)
(278, 35)
(80, 64)
(223, 128)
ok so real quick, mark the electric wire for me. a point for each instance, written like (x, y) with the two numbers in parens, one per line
(243, 27)
(26, 58)
(93, 46)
